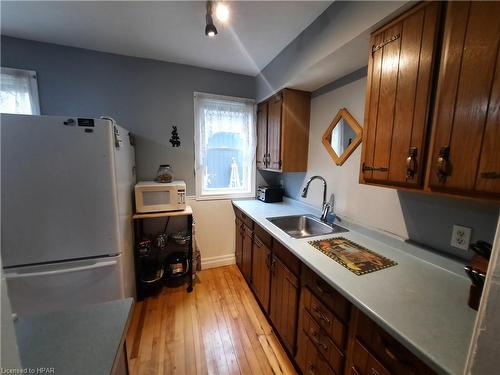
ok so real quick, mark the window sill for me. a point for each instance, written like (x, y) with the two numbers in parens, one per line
(214, 197)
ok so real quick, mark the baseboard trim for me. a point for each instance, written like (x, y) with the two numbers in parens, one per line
(222, 260)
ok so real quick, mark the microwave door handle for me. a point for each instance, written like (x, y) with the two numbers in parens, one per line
(17, 275)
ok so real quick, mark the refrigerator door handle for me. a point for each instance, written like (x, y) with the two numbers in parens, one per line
(16, 275)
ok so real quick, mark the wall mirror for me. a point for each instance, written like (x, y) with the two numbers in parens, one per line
(342, 136)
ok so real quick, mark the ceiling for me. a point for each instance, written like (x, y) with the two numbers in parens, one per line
(170, 31)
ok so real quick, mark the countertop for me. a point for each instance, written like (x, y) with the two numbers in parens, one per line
(422, 301)
(81, 341)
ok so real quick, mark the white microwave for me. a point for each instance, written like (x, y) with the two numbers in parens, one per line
(153, 196)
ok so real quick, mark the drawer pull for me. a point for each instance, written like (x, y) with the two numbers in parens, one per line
(393, 356)
(317, 340)
(320, 315)
(311, 369)
(320, 289)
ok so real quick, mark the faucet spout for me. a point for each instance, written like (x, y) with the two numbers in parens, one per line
(325, 209)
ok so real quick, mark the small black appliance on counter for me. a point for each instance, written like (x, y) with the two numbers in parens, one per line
(270, 194)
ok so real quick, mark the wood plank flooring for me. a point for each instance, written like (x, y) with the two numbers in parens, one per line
(217, 329)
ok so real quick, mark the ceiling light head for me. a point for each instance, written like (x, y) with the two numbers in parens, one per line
(210, 29)
(222, 12)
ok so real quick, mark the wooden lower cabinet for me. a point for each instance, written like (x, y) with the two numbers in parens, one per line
(238, 248)
(322, 332)
(371, 347)
(261, 272)
(284, 302)
(247, 249)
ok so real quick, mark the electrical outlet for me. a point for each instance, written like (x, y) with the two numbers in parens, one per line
(460, 237)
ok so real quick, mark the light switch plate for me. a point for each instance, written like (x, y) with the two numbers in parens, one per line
(460, 237)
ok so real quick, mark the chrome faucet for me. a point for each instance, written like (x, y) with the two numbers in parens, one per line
(325, 209)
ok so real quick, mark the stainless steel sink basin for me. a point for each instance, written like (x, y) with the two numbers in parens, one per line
(302, 226)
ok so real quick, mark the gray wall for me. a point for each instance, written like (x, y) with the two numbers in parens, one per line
(145, 96)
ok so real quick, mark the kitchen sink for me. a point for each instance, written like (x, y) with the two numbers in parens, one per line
(302, 226)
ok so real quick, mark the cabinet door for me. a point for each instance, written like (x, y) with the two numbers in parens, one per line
(464, 157)
(239, 242)
(246, 261)
(274, 132)
(261, 155)
(261, 272)
(284, 302)
(398, 98)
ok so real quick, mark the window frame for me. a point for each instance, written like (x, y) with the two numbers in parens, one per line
(33, 88)
(200, 193)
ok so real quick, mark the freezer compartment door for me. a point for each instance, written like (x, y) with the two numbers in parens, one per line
(58, 189)
(36, 289)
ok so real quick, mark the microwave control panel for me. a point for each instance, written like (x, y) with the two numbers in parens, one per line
(181, 196)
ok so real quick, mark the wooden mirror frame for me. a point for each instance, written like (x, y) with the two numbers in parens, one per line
(358, 130)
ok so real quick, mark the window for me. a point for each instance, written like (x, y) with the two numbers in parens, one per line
(19, 92)
(224, 146)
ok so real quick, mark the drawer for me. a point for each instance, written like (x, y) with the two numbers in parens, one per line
(264, 237)
(290, 260)
(326, 294)
(323, 342)
(364, 363)
(310, 360)
(387, 349)
(324, 317)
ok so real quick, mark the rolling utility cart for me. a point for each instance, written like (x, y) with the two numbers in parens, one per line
(146, 253)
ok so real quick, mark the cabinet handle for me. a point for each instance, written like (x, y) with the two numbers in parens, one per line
(490, 175)
(321, 290)
(317, 340)
(320, 315)
(443, 163)
(311, 369)
(393, 356)
(411, 163)
(273, 266)
(374, 169)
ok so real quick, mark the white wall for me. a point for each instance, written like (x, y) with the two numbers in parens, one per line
(376, 207)
(214, 231)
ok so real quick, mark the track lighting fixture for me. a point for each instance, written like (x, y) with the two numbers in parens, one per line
(210, 29)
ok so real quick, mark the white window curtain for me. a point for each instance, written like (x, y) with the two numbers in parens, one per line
(19, 92)
(225, 141)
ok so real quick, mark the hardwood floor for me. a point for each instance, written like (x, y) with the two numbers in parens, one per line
(217, 329)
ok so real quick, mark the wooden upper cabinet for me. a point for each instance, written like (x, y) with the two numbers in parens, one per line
(398, 95)
(465, 157)
(261, 156)
(274, 132)
(283, 131)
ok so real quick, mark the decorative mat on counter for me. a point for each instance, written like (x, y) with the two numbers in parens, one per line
(354, 257)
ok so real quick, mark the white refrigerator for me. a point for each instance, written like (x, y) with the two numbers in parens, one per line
(66, 206)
